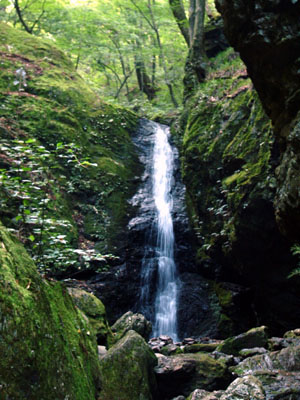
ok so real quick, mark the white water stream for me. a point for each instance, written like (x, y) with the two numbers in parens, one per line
(166, 293)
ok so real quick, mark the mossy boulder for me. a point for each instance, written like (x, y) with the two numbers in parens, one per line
(130, 321)
(48, 350)
(183, 373)
(255, 337)
(94, 309)
(197, 347)
(127, 370)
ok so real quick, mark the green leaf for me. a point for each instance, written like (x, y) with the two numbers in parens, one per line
(31, 238)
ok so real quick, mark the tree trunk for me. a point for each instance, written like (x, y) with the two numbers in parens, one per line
(195, 63)
(143, 79)
(181, 19)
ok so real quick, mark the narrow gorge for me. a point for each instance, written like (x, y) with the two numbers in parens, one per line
(149, 200)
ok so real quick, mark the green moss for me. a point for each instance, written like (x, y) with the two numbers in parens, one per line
(57, 106)
(210, 373)
(127, 370)
(203, 347)
(226, 150)
(94, 309)
(47, 347)
(255, 337)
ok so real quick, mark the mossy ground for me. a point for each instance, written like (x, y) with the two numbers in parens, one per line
(47, 347)
(57, 106)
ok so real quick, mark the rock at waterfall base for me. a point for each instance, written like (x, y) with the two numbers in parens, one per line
(126, 371)
(134, 322)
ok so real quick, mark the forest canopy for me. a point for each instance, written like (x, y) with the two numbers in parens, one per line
(132, 52)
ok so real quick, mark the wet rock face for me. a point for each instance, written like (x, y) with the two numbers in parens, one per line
(267, 35)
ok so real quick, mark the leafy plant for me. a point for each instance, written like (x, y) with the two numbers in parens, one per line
(296, 252)
(29, 186)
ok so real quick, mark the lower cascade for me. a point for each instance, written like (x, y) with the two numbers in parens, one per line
(159, 277)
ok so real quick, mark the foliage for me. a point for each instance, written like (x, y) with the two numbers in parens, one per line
(104, 40)
(296, 252)
(30, 184)
(67, 153)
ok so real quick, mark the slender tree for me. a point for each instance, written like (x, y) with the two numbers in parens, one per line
(20, 12)
(178, 11)
(195, 65)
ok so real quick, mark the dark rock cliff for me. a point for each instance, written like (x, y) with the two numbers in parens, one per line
(267, 35)
(229, 160)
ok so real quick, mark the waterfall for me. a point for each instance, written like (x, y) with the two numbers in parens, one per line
(166, 293)
(152, 228)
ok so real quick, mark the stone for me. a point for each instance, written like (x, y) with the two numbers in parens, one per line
(200, 394)
(295, 334)
(195, 348)
(252, 352)
(102, 351)
(287, 359)
(255, 337)
(188, 341)
(126, 371)
(166, 339)
(184, 373)
(278, 372)
(170, 349)
(94, 309)
(130, 321)
(244, 388)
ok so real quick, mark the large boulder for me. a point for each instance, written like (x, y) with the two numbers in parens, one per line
(183, 373)
(94, 309)
(48, 350)
(127, 370)
(131, 321)
(255, 337)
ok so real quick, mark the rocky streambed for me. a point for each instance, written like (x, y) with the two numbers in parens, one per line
(249, 366)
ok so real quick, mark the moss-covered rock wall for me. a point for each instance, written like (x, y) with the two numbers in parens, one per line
(48, 349)
(267, 36)
(228, 165)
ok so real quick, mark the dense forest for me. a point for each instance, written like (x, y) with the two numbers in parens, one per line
(150, 202)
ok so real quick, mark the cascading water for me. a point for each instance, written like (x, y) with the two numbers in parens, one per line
(158, 300)
(166, 294)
